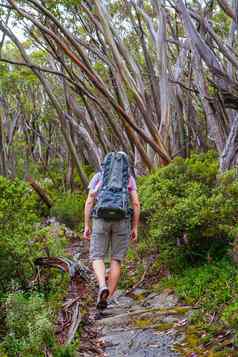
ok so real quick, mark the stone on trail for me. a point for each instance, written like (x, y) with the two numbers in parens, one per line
(136, 343)
(139, 292)
(164, 300)
(147, 328)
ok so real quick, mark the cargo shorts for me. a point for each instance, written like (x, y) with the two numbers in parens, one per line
(109, 235)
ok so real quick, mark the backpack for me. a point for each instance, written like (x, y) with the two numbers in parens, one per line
(113, 199)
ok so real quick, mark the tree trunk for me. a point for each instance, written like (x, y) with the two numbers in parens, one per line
(229, 156)
(3, 168)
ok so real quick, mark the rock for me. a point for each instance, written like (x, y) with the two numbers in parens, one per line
(128, 317)
(114, 311)
(118, 305)
(163, 301)
(169, 319)
(139, 292)
(180, 337)
(122, 301)
(136, 307)
(139, 343)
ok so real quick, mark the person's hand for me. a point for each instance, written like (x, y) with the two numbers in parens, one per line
(87, 233)
(134, 234)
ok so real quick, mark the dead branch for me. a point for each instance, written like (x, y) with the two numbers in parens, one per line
(39, 190)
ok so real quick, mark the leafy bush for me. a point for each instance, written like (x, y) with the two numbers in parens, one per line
(190, 211)
(28, 320)
(212, 285)
(69, 208)
(230, 315)
(22, 237)
(50, 239)
(18, 216)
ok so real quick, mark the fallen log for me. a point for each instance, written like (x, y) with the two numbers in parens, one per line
(40, 191)
(69, 316)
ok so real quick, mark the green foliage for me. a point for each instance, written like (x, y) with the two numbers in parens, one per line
(50, 238)
(22, 237)
(212, 285)
(230, 314)
(69, 209)
(213, 289)
(191, 214)
(17, 219)
(28, 319)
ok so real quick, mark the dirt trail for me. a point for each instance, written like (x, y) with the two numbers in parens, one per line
(142, 324)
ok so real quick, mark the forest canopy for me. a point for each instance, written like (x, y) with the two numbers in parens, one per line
(156, 78)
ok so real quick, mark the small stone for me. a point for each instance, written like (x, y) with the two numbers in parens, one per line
(163, 300)
(139, 291)
(169, 319)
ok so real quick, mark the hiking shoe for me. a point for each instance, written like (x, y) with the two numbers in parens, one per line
(112, 302)
(102, 298)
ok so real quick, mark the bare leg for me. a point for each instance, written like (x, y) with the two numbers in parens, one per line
(114, 275)
(99, 269)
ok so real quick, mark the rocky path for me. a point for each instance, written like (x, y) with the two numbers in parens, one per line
(139, 323)
(142, 325)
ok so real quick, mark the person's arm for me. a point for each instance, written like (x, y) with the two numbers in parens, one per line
(87, 214)
(135, 203)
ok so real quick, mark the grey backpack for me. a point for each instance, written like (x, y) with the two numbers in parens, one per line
(113, 201)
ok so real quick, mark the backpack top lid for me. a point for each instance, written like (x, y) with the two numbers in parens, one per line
(115, 170)
(110, 155)
(113, 203)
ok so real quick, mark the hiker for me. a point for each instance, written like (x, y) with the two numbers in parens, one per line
(114, 223)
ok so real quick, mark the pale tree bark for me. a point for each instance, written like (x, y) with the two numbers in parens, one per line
(122, 58)
(61, 114)
(91, 149)
(3, 163)
(159, 105)
(207, 55)
(85, 125)
(228, 9)
(229, 156)
(148, 61)
(121, 65)
(215, 131)
(162, 59)
(126, 120)
(178, 138)
(159, 39)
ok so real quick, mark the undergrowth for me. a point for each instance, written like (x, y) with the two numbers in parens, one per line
(27, 310)
(189, 224)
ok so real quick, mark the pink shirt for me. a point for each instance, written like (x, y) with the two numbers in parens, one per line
(96, 183)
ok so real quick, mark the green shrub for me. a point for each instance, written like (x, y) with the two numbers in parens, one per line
(50, 239)
(18, 216)
(211, 285)
(69, 208)
(189, 212)
(28, 320)
(230, 315)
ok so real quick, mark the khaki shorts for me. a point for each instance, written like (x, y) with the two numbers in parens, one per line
(108, 235)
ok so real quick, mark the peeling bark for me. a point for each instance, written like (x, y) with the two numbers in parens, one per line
(228, 157)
